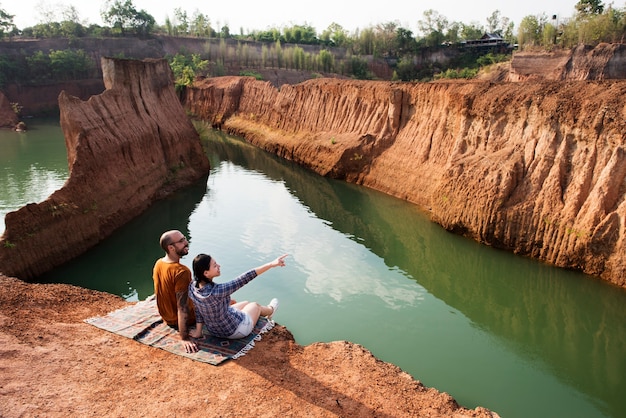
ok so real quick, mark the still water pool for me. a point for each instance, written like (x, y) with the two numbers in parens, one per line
(490, 328)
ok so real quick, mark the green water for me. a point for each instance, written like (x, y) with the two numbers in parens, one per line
(490, 328)
(33, 164)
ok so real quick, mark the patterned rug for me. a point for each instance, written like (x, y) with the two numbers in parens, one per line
(143, 323)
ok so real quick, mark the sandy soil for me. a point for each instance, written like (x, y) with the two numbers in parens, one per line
(55, 365)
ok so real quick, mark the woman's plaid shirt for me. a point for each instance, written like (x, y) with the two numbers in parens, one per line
(212, 304)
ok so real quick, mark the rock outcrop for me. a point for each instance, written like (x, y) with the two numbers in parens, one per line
(127, 147)
(603, 62)
(91, 372)
(535, 168)
(8, 117)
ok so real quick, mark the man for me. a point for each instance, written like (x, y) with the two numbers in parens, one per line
(171, 284)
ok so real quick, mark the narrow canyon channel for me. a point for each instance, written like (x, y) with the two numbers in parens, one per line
(490, 328)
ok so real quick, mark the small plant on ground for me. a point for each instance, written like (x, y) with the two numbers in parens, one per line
(17, 108)
(248, 73)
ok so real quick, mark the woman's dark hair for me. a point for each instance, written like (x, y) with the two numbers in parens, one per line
(201, 263)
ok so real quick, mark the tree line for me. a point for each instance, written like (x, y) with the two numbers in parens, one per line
(592, 23)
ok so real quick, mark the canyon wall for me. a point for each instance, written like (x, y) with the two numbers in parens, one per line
(127, 147)
(8, 117)
(602, 62)
(537, 168)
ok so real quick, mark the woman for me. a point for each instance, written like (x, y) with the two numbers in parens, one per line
(212, 300)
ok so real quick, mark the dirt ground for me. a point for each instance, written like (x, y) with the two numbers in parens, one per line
(53, 364)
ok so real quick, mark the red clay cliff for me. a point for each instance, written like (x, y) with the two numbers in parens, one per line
(127, 147)
(537, 168)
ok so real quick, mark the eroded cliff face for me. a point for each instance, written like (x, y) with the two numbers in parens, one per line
(8, 118)
(536, 168)
(127, 147)
(602, 62)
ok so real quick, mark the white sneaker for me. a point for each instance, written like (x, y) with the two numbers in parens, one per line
(274, 305)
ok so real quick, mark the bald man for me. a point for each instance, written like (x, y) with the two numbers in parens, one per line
(171, 284)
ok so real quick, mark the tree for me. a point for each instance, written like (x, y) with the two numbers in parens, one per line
(335, 35)
(39, 66)
(124, 16)
(589, 7)
(609, 26)
(405, 42)
(6, 23)
(327, 60)
(471, 31)
(433, 26)
(529, 32)
(364, 44)
(301, 34)
(454, 32)
(225, 32)
(201, 25)
(185, 68)
(406, 69)
(385, 39)
(11, 70)
(143, 23)
(182, 26)
(70, 65)
(358, 68)
(549, 35)
(497, 23)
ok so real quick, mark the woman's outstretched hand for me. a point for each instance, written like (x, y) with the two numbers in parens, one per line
(279, 262)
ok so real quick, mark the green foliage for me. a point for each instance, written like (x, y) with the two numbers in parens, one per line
(458, 73)
(70, 64)
(10, 70)
(529, 32)
(58, 65)
(609, 26)
(589, 7)
(405, 69)
(471, 31)
(335, 36)
(39, 67)
(433, 25)
(490, 59)
(185, 68)
(248, 73)
(592, 25)
(17, 108)
(300, 34)
(279, 54)
(286, 47)
(6, 23)
(364, 43)
(124, 17)
(200, 25)
(405, 42)
(359, 69)
(326, 60)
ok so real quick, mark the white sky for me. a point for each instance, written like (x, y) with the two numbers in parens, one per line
(259, 15)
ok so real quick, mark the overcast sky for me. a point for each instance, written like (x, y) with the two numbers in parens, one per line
(261, 15)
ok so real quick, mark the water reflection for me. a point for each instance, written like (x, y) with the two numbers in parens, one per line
(33, 165)
(564, 322)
